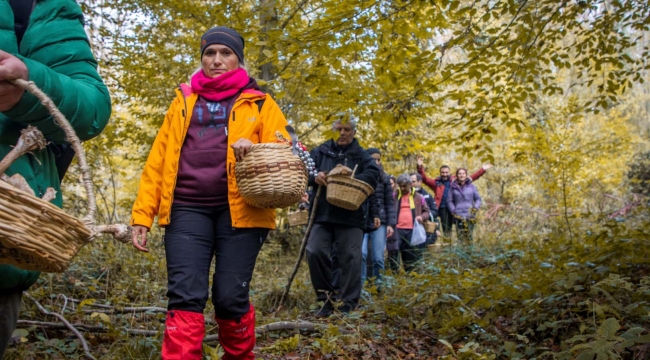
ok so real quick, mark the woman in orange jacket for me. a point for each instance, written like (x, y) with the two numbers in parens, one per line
(189, 183)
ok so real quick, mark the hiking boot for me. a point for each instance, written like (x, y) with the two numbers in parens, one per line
(325, 311)
(345, 309)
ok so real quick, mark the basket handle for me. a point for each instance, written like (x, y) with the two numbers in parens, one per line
(353, 171)
(73, 139)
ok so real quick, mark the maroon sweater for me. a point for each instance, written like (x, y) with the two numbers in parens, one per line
(202, 177)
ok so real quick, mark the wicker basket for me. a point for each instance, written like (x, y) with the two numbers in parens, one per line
(35, 234)
(271, 176)
(346, 192)
(298, 218)
(47, 242)
(430, 227)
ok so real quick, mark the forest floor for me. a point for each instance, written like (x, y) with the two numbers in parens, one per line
(518, 296)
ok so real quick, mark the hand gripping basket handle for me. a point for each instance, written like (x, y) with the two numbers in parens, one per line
(120, 232)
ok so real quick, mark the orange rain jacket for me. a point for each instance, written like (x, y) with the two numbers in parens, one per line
(158, 179)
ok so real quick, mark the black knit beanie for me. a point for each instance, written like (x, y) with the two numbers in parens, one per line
(224, 36)
(371, 151)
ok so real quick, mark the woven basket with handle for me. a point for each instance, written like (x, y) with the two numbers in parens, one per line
(271, 176)
(35, 234)
(298, 218)
(344, 191)
(429, 227)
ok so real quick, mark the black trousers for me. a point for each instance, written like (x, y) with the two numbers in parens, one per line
(9, 309)
(411, 255)
(346, 242)
(446, 220)
(465, 230)
(431, 238)
(193, 237)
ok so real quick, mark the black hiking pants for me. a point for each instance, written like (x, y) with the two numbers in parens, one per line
(446, 221)
(194, 236)
(346, 241)
(410, 255)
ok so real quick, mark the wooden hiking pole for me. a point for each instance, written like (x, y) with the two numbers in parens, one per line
(303, 246)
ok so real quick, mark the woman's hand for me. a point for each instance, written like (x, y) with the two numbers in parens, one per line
(321, 179)
(389, 231)
(139, 237)
(419, 219)
(377, 223)
(241, 148)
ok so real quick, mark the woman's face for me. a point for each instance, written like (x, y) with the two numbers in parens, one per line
(405, 188)
(218, 59)
(462, 175)
(392, 184)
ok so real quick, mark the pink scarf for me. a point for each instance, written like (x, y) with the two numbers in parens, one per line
(222, 87)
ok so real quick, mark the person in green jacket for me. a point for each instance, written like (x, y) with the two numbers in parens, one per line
(54, 52)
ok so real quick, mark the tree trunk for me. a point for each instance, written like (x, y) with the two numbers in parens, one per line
(268, 22)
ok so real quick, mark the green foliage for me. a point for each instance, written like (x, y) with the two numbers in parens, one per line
(507, 297)
(552, 92)
(456, 65)
(639, 173)
(605, 343)
(283, 346)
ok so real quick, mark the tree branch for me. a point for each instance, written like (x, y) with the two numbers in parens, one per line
(120, 310)
(66, 323)
(302, 250)
(293, 13)
(263, 329)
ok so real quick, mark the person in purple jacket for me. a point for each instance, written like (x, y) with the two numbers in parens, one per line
(463, 202)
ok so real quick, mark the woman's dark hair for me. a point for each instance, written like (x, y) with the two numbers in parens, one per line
(459, 169)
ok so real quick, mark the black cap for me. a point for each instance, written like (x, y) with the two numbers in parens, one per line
(371, 151)
(224, 36)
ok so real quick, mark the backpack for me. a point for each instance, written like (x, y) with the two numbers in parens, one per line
(63, 153)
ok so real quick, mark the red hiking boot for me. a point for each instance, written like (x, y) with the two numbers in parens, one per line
(184, 331)
(238, 338)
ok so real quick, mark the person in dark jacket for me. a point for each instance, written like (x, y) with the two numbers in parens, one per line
(372, 215)
(409, 207)
(335, 227)
(55, 54)
(416, 182)
(376, 240)
(464, 202)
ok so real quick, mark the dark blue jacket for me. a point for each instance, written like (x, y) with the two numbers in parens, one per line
(384, 195)
(326, 157)
(431, 202)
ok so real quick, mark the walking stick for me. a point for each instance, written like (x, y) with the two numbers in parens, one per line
(303, 246)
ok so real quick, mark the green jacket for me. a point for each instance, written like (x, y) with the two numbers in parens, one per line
(57, 53)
